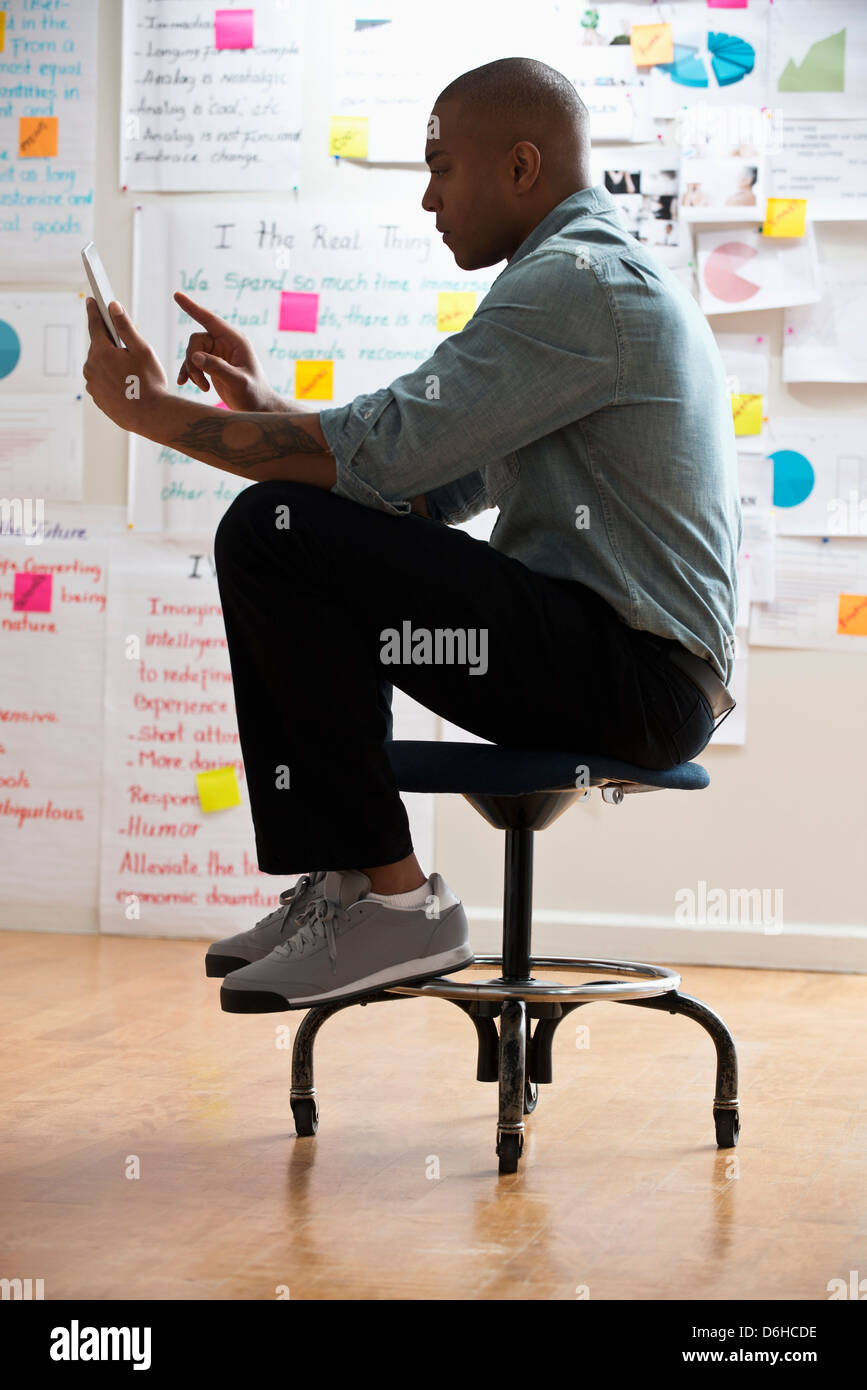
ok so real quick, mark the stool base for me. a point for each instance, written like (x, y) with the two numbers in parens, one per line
(519, 1058)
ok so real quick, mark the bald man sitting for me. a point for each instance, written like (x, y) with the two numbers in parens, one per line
(587, 401)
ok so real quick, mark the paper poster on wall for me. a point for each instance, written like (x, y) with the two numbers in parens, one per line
(746, 360)
(596, 55)
(817, 64)
(170, 867)
(646, 195)
(42, 349)
(391, 61)
(758, 545)
(740, 269)
(48, 58)
(824, 161)
(211, 96)
(821, 597)
(820, 475)
(826, 341)
(719, 59)
(723, 190)
(52, 635)
(337, 300)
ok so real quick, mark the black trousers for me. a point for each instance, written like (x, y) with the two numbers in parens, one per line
(307, 607)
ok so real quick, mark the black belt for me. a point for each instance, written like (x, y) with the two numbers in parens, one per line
(700, 673)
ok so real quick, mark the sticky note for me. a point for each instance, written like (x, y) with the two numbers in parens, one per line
(37, 136)
(32, 593)
(727, 4)
(852, 615)
(347, 135)
(2, 30)
(233, 29)
(299, 313)
(218, 788)
(747, 414)
(314, 381)
(454, 309)
(785, 217)
(651, 43)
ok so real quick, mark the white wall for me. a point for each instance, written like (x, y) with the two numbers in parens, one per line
(786, 811)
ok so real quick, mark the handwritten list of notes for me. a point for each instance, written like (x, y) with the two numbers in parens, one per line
(48, 59)
(337, 300)
(52, 630)
(170, 867)
(211, 96)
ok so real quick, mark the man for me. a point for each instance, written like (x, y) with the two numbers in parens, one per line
(586, 399)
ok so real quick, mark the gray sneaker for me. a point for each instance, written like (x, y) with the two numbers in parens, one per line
(347, 945)
(234, 952)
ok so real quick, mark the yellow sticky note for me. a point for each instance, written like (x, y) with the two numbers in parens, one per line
(314, 381)
(2, 30)
(454, 309)
(218, 788)
(747, 414)
(651, 43)
(785, 217)
(347, 135)
(37, 136)
(852, 615)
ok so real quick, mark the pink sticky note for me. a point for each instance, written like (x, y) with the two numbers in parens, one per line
(32, 593)
(233, 28)
(221, 405)
(298, 312)
(726, 4)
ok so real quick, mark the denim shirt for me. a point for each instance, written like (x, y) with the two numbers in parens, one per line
(587, 400)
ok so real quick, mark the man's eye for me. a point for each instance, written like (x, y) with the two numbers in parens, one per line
(438, 171)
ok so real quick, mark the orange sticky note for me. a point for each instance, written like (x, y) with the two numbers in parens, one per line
(454, 309)
(747, 414)
(2, 30)
(651, 43)
(314, 381)
(37, 136)
(347, 135)
(785, 217)
(852, 615)
(218, 788)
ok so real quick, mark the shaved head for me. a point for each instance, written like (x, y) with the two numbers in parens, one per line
(510, 140)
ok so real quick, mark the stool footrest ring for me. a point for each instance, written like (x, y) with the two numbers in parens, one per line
(640, 981)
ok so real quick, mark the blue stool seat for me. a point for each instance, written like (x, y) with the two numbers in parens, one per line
(423, 766)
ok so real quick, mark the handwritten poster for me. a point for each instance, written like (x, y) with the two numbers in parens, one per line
(169, 867)
(824, 161)
(337, 300)
(42, 349)
(47, 129)
(211, 95)
(52, 636)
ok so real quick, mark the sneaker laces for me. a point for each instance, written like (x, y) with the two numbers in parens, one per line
(289, 900)
(315, 922)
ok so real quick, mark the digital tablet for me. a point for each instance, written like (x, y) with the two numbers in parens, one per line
(101, 287)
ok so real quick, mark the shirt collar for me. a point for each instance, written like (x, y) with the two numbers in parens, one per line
(583, 203)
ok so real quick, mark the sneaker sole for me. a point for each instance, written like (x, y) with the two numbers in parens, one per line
(250, 1001)
(216, 967)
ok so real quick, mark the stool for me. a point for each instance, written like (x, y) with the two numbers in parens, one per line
(521, 791)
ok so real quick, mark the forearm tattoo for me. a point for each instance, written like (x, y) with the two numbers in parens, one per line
(245, 442)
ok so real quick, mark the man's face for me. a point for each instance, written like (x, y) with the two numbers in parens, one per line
(468, 190)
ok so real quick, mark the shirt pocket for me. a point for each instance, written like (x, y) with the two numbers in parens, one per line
(500, 478)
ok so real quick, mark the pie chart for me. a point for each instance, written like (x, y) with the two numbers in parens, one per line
(10, 348)
(793, 477)
(721, 272)
(731, 59)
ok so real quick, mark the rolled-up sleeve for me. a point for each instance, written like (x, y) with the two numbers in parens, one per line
(539, 352)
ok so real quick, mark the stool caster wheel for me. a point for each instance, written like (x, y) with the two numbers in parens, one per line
(531, 1097)
(305, 1113)
(728, 1127)
(509, 1149)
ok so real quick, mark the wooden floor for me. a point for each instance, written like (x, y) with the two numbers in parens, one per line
(116, 1048)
